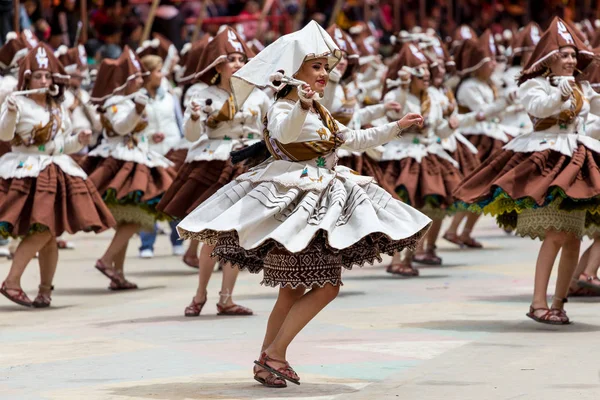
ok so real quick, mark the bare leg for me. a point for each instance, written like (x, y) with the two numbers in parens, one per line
(583, 264)
(205, 271)
(119, 261)
(433, 233)
(458, 218)
(472, 219)
(24, 254)
(123, 233)
(285, 300)
(593, 262)
(48, 261)
(566, 267)
(301, 313)
(191, 255)
(543, 268)
(227, 284)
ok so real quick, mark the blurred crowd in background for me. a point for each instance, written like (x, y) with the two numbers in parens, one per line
(115, 23)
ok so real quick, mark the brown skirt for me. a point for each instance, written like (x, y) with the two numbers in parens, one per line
(53, 201)
(127, 177)
(177, 157)
(509, 183)
(317, 265)
(486, 146)
(424, 185)
(466, 160)
(366, 166)
(196, 182)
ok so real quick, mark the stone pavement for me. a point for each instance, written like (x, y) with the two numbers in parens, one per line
(457, 332)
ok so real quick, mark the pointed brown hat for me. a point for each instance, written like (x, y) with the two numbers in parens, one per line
(343, 41)
(14, 49)
(462, 33)
(526, 39)
(114, 76)
(192, 59)
(158, 46)
(227, 41)
(592, 72)
(73, 59)
(559, 34)
(470, 56)
(39, 58)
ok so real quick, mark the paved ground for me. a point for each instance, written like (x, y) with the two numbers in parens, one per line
(457, 332)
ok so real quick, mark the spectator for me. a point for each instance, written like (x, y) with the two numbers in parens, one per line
(169, 22)
(40, 26)
(250, 28)
(111, 12)
(64, 22)
(111, 48)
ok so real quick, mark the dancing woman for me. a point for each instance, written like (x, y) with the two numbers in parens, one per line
(216, 127)
(416, 165)
(297, 217)
(43, 192)
(131, 177)
(542, 184)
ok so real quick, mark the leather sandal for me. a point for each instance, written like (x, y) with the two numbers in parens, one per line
(546, 317)
(43, 300)
(589, 282)
(472, 243)
(270, 380)
(403, 269)
(107, 271)
(20, 297)
(285, 372)
(453, 238)
(194, 309)
(234, 309)
(428, 257)
(561, 313)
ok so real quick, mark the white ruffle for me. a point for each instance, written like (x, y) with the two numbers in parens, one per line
(304, 176)
(183, 143)
(375, 153)
(451, 143)
(29, 165)
(120, 151)
(348, 210)
(216, 149)
(404, 147)
(491, 129)
(561, 142)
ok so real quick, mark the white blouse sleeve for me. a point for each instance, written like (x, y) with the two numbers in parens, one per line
(540, 99)
(469, 95)
(8, 123)
(72, 144)
(364, 139)
(123, 117)
(370, 113)
(192, 130)
(286, 121)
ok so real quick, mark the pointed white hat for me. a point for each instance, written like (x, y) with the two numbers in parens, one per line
(287, 53)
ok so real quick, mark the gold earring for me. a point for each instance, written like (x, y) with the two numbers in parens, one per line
(214, 79)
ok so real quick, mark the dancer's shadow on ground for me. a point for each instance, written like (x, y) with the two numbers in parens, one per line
(228, 390)
(99, 291)
(526, 298)
(388, 277)
(499, 326)
(273, 295)
(164, 273)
